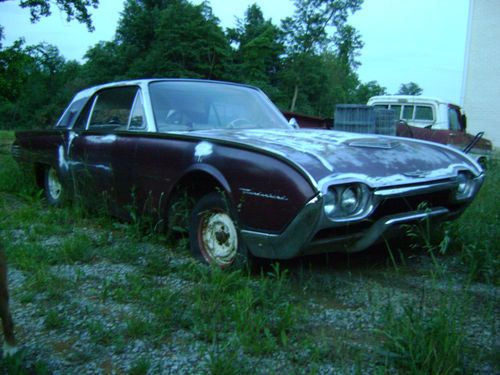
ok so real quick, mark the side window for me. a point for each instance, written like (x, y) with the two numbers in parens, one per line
(112, 109)
(397, 111)
(424, 113)
(69, 115)
(138, 117)
(408, 112)
(381, 106)
(81, 123)
(454, 119)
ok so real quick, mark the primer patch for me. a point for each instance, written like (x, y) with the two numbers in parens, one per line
(202, 150)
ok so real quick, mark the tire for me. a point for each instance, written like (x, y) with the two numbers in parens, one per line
(214, 235)
(54, 191)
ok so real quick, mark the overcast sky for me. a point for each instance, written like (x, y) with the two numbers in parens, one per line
(405, 40)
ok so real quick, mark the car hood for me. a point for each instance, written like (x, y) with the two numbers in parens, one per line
(376, 160)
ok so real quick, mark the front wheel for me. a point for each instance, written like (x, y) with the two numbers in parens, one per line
(53, 188)
(213, 232)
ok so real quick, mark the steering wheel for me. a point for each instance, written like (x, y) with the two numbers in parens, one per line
(239, 120)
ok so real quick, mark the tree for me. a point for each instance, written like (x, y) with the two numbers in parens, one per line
(366, 90)
(74, 9)
(306, 38)
(35, 85)
(410, 88)
(257, 56)
(171, 38)
(306, 31)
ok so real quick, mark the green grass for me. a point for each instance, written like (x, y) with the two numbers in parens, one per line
(7, 134)
(236, 318)
(417, 341)
(477, 233)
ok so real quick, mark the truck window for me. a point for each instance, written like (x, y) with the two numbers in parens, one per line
(423, 113)
(408, 112)
(397, 111)
(454, 119)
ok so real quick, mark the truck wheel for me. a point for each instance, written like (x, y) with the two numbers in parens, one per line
(213, 233)
(53, 188)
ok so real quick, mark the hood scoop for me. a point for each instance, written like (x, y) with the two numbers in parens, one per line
(385, 144)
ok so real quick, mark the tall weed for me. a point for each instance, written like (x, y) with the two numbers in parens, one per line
(418, 341)
(476, 234)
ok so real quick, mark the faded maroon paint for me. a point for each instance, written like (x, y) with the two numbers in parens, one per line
(143, 169)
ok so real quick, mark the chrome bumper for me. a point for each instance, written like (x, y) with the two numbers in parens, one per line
(298, 240)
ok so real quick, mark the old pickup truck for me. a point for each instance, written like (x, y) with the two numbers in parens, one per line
(258, 186)
(434, 120)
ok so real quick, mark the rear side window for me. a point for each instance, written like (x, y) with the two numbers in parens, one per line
(424, 113)
(112, 109)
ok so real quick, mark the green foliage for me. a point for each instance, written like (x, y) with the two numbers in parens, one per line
(476, 235)
(420, 342)
(410, 88)
(140, 366)
(74, 9)
(366, 90)
(259, 314)
(35, 85)
(302, 65)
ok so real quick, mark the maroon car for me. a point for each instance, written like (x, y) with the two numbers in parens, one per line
(259, 186)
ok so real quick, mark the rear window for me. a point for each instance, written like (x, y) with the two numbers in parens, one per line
(408, 112)
(397, 111)
(424, 113)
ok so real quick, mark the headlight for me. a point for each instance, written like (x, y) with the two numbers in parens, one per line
(465, 187)
(349, 200)
(330, 202)
(345, 202)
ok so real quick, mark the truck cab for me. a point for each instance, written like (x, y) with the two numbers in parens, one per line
(434, 120)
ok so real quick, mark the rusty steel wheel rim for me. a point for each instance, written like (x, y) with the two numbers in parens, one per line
(54, 184)
(218, 238)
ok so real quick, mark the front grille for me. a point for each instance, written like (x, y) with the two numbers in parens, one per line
(397, 205)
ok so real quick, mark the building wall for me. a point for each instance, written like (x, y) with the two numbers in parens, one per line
(481, 86)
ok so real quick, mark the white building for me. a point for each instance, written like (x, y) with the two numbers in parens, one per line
(481, 84)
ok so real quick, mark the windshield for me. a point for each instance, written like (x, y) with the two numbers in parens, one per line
(193, 105)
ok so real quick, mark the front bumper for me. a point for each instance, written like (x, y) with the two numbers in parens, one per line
(309, 234)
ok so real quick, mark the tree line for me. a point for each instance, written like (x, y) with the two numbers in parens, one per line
(307, 64)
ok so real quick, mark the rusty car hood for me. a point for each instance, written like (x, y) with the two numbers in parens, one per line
(377, 160)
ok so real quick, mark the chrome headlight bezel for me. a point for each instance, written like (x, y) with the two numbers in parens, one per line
(466, 187)
(346, 202)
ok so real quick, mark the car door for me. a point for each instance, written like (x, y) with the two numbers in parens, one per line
(93, 147)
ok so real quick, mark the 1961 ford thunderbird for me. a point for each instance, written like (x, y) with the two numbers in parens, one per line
(259, 186)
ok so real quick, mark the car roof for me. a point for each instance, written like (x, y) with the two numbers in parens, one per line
(142, 82)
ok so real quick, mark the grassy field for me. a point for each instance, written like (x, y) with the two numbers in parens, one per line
(94, 295)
